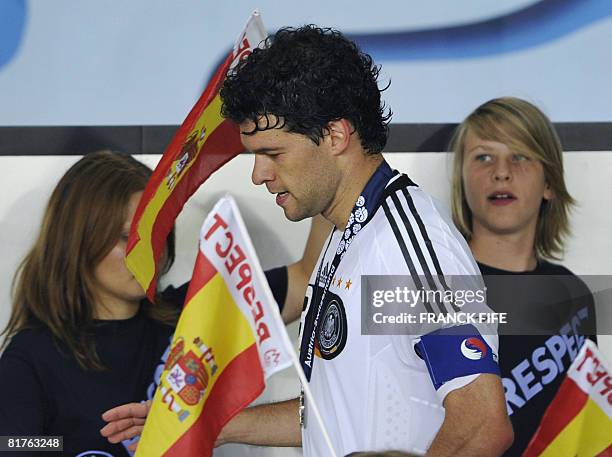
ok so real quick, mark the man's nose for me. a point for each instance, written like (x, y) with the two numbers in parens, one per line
(262, 170)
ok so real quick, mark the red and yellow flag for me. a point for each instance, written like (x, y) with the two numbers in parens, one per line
(229, 339)
(578, 422)
(203, 143)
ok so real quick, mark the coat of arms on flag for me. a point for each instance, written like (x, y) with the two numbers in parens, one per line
(188, 375)
(203, 143)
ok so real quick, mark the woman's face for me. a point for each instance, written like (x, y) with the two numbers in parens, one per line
(117, 288)
(503, 188)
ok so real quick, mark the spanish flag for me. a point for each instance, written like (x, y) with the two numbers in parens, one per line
(203, 143)
(230, 338)
(578, 422)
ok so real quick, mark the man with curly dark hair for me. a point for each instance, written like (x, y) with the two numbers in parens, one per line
(309, 108)
(307, 78)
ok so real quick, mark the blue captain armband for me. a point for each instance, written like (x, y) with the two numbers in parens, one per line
(454, 352)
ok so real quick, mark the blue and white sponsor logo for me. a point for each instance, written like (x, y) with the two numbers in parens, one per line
(473, 348)
(454, 352)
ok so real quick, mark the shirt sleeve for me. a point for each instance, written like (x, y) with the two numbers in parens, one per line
(455, 354)
(176, 295)
(277, 280)
(585, 305)
(22, 401)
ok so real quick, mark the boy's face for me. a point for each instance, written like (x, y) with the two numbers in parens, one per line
(301, 174)
(503, 188)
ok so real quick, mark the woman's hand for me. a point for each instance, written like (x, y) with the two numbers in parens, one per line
(125, 422)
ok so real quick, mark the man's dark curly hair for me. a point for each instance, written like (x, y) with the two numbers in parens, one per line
(306, 78)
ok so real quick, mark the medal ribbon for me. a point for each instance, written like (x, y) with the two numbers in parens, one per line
(363, 212)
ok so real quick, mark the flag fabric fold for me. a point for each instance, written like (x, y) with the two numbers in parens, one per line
(228, 341)
(578, 422)
(203, 143)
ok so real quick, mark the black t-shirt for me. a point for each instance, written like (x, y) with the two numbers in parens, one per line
(533, 366)
(44, 392)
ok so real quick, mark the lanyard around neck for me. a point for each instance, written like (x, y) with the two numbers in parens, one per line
(363, 211)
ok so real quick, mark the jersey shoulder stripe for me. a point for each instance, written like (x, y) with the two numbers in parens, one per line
(417, 245)
(402, 181)
(424, 234)
(404, 250)
(412, 237)
(428, 243)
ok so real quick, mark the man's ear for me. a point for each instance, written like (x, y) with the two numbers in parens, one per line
(339, 135)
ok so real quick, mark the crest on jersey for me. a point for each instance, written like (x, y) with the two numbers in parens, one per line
(333, 329)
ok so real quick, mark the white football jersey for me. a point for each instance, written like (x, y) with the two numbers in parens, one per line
(375, 392)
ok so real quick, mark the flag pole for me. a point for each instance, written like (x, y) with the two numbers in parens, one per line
(284, 336)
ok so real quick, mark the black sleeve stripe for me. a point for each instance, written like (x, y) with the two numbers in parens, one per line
(404, 250)
(423, 230)
(427, 240)
(417, 249)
